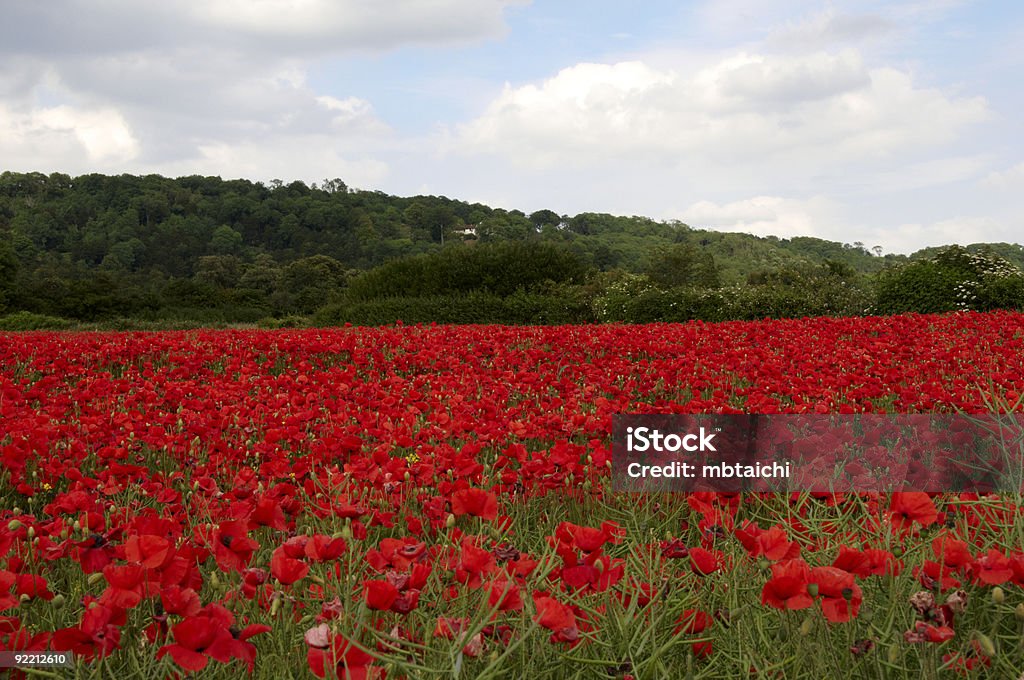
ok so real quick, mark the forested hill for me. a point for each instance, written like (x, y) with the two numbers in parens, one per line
(98, 245)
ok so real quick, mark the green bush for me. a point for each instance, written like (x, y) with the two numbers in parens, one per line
(470, 308)
(1005, 292)
(819, 291)
(272, 323)
(955, 279)
(496, 268)
(29, 321)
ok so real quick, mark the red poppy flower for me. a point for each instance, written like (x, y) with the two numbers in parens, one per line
(287, 570)
(556, 617)
(379, 594)
(341, 659)
(232, 547)
(98, 634)
(475, 503)
(704, 562)
(908, 507)
(504, 595)
(787, 588)
(840, 595)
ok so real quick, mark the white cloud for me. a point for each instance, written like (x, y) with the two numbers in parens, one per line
(809, 111)
(87, 85)
(341, 25)
(829, 28)
(93, 138)
(78, 28)
(963, 230)
(310, 158)
(763, 216)
(1011, 178)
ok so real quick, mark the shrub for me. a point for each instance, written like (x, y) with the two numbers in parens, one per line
(955, 279)
(521, 307)
(29, 321)
(496, 268)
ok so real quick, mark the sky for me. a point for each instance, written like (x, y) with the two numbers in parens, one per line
(886, 123)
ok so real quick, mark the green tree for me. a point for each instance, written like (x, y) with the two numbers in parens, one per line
(308, 283)
(683, 264)
(225, 240)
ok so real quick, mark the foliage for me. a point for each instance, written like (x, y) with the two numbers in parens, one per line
(790, 293)
(27, 321)
(953, 279)
(499, 269)
(98, 248)
(683, 265)
(474, 307)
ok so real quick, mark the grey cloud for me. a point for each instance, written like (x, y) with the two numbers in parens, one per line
(304, 27)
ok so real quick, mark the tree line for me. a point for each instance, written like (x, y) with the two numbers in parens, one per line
(151, 248)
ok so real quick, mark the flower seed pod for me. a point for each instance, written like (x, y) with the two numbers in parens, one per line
(1019, 612)
(807, 627)
(812, 589)
(985, 644)
(998, 595)
(14, 525)
(450, 521)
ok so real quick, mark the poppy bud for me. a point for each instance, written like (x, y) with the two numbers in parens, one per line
(16, 510)
(807, 627)
(77, 526)
(1019, 612)
(14, 525)
(812, 589)
(893, 654)
(450, 521)
(24, 597)
(407, 476)
(274, 606)
(998, 595)
(94, 578)
(346, 532)
(214, 581)
(985, 644)
(31, 533)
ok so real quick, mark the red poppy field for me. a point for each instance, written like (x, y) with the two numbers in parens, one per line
(417, 502)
